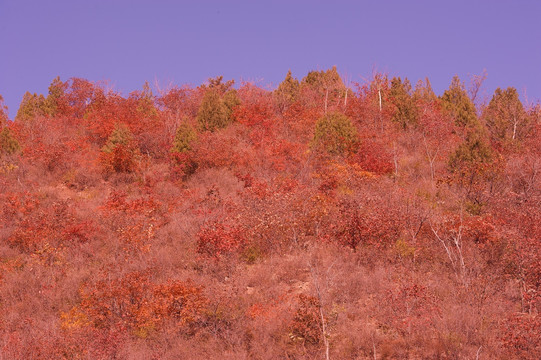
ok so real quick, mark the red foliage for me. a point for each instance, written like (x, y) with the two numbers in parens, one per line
(306, 325)
(73, 243)
(256, 107)
(370, 223)
(182, 164)
(375, 157)
(135, 303)
(134, 221)
(38, 224)
(414, 308)
(217, 150)
(522, 336)
(120, 159)
(220, 239)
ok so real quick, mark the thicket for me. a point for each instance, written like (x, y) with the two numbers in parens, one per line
(323, 219)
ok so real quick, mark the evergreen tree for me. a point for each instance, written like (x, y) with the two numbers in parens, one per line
(423, 91)
(457, 103)
(184, 138)
(218, 104)
(231, 100)
(324, 79)
(182, 159)
(287, 92)
(55, 103)
(213, 113)
(327, 85)
(473, 166)
(219, 86)
(473, 151)
(3, 113)
(405, 113)
(120, 153)
(336, 134)
(505, 117)
(31, 106)
(8, 144)
(145, 102)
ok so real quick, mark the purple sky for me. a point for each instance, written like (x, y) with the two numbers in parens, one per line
(179, 42)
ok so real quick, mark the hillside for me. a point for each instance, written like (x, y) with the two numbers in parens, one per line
(320, 219)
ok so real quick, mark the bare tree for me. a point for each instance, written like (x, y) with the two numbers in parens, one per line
(319, 288)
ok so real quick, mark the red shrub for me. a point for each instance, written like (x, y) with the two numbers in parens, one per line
(220, 239)
(373, 156)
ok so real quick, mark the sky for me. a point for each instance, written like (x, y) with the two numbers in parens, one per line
(128, 42)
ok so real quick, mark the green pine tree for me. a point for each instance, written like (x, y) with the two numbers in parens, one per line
(8, 144)
(145, 102)
(219, 86)
(213, 114)
(120, 153)
(54, 104)
(184, 138)
(327, 85)
(287, 92)
(231, 100)
(3, 113)
(505, 117)
(336, 134)
(457, 103)
(406, 113)
(31, 106)
(473, 166)
(423, 91)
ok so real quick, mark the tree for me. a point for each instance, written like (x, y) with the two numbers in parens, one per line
(476, 82)
(438, 134)
(145, 102)
(325, 84)
(80, 94)
(3, 113)
(182, 158)
(219, 101)
(370, 107)
(32, 105)
(213, 114)
(120, 153)
(336, 134)
(231, 101)
(287, 92)
(56, 102)
(456, 102)
(8, 144)
(423, 91)
(473, 165)
(405, 113)
(221, 87)
(474, 150)
(184, 138)
(505, 117)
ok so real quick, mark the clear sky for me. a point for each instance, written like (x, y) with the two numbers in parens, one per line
(186, 42)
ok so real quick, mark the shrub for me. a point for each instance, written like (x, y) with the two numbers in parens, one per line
(120, 153)
(373, 156)
(220, 239)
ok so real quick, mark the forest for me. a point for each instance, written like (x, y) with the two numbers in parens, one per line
(319, 219)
